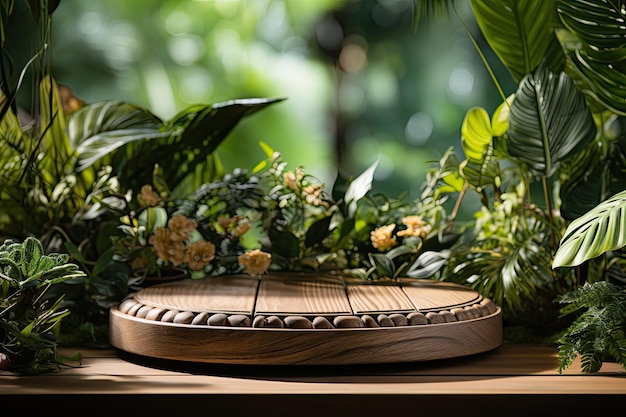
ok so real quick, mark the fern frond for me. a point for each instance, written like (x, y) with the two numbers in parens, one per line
(597, 335)
(598, 294)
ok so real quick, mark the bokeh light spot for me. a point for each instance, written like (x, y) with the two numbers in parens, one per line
(419, 128)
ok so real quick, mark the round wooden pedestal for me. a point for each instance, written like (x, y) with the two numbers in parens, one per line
(294, 319)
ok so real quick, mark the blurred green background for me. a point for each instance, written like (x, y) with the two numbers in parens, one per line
(364, 79)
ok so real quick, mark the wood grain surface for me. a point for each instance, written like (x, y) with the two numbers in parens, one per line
(512, 380)
(305, 320)
(302, 296)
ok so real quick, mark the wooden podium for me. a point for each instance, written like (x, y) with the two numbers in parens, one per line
(303, 319)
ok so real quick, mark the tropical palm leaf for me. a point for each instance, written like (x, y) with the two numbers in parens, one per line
(599, 26)
(97, 130)
(549, 121)
(508, 270)
(197, 133)
(519, 31)
(483, 174)
(600, 230)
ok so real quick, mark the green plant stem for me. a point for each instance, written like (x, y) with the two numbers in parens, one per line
(457, 206)
(482, 57)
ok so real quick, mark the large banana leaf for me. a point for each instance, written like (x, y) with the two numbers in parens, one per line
(549, 121)
(519, 31)
(600, 230)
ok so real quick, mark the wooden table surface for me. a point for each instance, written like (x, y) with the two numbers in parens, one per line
(510, 380)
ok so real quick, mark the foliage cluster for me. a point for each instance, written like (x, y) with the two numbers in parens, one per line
(547, 166)
(30, 320)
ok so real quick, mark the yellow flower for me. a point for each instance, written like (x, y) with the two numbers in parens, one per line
(148, 198)
(255, 262)
(241, 228)
(166, 248)
(199, 254)
(313, 195)
(416, 227)
(238, 225)
(381, 237)
(225, 222)
(181, 227)
(292, 179)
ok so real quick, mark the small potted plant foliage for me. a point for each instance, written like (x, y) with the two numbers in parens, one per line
(30, 320)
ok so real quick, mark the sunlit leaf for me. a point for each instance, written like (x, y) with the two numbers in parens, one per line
(600, 230)
(476, 133)
(359, 187)
(519, 31)
(428, 264)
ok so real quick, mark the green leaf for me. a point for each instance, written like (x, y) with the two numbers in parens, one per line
(359, 187)
(476, 133)
(284, 243)
(607, 79)
(482, 166)
(99, 129)
(549, 121)
(152, 217)
(199, 130)
(317, 232)
(500, 118)
(599, 26)
(481, 173)
(519, 31)
(33, 251)
(582, 191)
(383, 265)
(600, 230)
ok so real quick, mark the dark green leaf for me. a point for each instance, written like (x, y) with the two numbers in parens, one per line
(599, 25)
(200, 131)
(284, 243)
(549, 121)
(97, 130)
(317, 232)
(33, 251)
(383, 265)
